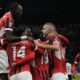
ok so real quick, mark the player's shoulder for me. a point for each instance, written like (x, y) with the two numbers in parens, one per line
(25, 42)
(7, 15)
(78, 55)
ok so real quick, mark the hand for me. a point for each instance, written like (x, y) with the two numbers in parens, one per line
(36, 42)
(13, 65)
(30, 38)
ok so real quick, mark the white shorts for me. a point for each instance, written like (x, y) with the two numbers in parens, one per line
(22, 76)
(58, 76)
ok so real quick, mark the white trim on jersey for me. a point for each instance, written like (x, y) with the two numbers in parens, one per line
(2, 31)
(8, 29)
(76, 62)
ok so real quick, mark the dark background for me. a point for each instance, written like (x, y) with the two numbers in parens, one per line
(65, 14)
(40, 11)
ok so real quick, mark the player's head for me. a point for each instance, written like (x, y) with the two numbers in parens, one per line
(16, 9)
(48, 28)
(22, 29)
(18, 31)
(27, 31)
(36, 31)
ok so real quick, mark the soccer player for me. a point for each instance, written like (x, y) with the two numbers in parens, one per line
(6, 24)
(40, 69)
(57, 51)
(8, 21)
(4, 64)
(36, 65)
(20, 54)
(76, 65)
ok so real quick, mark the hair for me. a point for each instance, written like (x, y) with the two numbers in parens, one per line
(51, 26)
(36, 32)
(19, 29)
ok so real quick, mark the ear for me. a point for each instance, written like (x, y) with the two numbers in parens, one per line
(50, 30)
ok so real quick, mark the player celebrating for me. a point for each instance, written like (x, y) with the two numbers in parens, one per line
(76, 65)
(8, 21)
(20, 54)
(4, 64)
(56, 49)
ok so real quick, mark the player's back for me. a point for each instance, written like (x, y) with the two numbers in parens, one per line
(18, 51)
(58, 56)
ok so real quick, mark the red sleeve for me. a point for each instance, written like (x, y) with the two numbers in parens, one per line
(64, 39)
(75, 62)
(27, 59)
(40, 50)
(74, 67)
(77, 59)
(7, 20)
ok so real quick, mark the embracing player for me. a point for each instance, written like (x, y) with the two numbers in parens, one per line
(20, 55)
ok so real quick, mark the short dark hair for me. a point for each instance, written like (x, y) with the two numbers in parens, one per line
(19, 30)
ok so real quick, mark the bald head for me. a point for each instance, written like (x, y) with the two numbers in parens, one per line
(50, 27)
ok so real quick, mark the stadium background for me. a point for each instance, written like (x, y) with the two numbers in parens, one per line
(64, 14)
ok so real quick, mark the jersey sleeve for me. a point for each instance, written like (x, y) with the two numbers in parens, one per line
(64, 40)
(77, 59)
(25, 60)
(39, 50)
(7, 21)
(74, 66)
(56, 40)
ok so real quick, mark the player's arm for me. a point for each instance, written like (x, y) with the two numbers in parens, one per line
(10, 37)
(39, 50)
(74, 66)
(25, 60)
(63, 39)
(54, 46)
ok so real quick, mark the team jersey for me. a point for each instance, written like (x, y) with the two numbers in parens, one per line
(38, 57)
(76, 65)
(37, 64)
(4, 65)
(58, 56)
(77, 59)
(45, 63)
(19, 53)
(44, 58)
(7, 21)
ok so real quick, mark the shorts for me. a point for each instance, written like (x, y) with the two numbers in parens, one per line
(22, 76)
(58, 76)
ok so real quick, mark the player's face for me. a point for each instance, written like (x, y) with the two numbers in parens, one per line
(28, 32)
(19, 11)
(45, 29)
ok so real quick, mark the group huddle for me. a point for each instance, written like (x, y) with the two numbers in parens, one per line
(22, 57)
